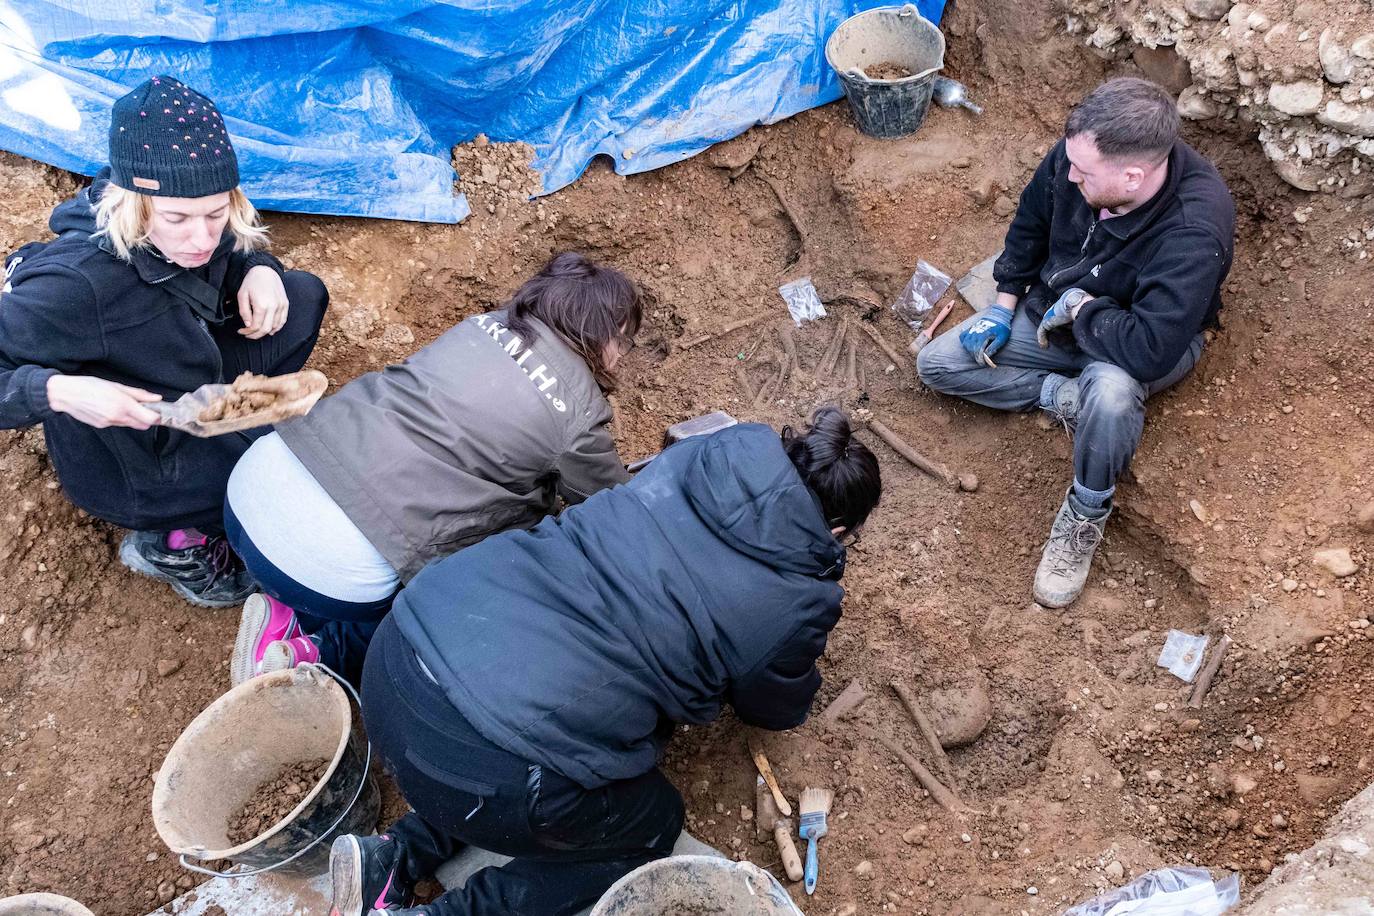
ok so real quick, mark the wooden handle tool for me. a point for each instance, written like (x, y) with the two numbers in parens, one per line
(791, 860)
(766, 771)
(928, 332)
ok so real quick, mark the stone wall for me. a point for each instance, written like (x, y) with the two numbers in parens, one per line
(1333, 877)
(1302, 71)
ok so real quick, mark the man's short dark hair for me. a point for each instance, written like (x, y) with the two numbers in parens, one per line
(1127, 118)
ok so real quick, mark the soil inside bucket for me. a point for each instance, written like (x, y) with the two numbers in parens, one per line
(274, 798)
(887, 70)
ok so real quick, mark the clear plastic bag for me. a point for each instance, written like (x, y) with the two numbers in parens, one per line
(1166, 892)
(920, 294)
(803, 302)
(1182, 654)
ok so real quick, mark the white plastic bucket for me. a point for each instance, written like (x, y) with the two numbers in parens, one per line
(696, 886)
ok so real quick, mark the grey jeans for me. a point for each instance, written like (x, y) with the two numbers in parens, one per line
(1111, 407)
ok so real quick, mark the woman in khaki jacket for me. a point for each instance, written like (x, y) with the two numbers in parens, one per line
(478, 432)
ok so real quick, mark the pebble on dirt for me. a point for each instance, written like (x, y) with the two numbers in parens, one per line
(166, 667)
(1335, 560)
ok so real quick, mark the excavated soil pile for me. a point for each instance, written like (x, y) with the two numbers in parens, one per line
(274, 799)
(1079, 760)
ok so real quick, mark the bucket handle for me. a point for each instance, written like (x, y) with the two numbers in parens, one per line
(908, 10)
(362, 784)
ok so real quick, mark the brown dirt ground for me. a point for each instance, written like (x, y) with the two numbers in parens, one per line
(1091, 755)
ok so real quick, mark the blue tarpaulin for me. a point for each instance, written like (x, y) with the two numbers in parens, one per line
(353, 107)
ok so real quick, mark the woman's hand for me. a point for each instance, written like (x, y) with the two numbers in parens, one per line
(101, 403)
(262, 303)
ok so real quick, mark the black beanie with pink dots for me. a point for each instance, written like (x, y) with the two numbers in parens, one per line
(169, 141)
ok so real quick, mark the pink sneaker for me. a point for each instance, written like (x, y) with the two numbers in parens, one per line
(265, 620)
(288, 653)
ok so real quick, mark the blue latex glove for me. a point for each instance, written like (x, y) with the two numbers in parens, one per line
(1063, 312)
(987, 335)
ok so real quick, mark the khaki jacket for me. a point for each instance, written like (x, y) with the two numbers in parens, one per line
(476, 433)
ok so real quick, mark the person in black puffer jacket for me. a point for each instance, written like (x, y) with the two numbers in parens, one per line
(523, 690)
(157, 283)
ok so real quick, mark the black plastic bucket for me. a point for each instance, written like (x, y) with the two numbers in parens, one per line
(887, 108)
(245, 738)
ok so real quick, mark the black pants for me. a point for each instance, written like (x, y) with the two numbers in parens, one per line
(569, 843)
(287, 350)
(203, 465)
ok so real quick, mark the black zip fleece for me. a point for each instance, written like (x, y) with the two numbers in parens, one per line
(1155, 273)
(70, 306)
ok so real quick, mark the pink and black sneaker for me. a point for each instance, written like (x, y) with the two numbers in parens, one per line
(288, 653)
(265, 620)
(367, 877)
(202, 568)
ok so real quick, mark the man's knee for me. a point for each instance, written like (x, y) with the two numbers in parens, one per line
(1105, 388)
(940, 359)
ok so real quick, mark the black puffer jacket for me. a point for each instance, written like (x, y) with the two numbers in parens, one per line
(1155, 273)
(70, 306)
(709, 578)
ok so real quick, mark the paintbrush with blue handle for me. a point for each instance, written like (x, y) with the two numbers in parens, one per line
(814, 806)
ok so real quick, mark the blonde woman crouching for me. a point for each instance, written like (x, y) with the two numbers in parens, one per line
(157, 283)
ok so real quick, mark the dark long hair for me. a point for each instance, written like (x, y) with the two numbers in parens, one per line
(838, 468)
(585, 303)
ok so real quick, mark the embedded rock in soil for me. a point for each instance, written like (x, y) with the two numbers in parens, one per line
(1317, 790)
(273, 800)
(737, 153)
(1337, 64)
(1353, 119)
(1335, 560)
(1365, 519)
(1301, 98)
(960, 715)
(1207, 9)
(1195, 106)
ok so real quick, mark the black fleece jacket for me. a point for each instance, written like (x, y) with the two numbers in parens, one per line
(71, 306)
(1155, 273)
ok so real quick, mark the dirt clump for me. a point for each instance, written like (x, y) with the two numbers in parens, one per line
(887, 70)
(495, 176)
(274, 799)
(249, 394)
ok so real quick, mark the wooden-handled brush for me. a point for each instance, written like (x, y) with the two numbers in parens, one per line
(814, 805)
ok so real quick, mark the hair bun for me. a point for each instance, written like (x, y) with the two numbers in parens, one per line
(569, 266)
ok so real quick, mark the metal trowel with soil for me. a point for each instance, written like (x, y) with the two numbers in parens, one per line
(703, 425)
(249, 402)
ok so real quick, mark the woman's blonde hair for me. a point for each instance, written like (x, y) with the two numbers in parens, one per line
(122, 216)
